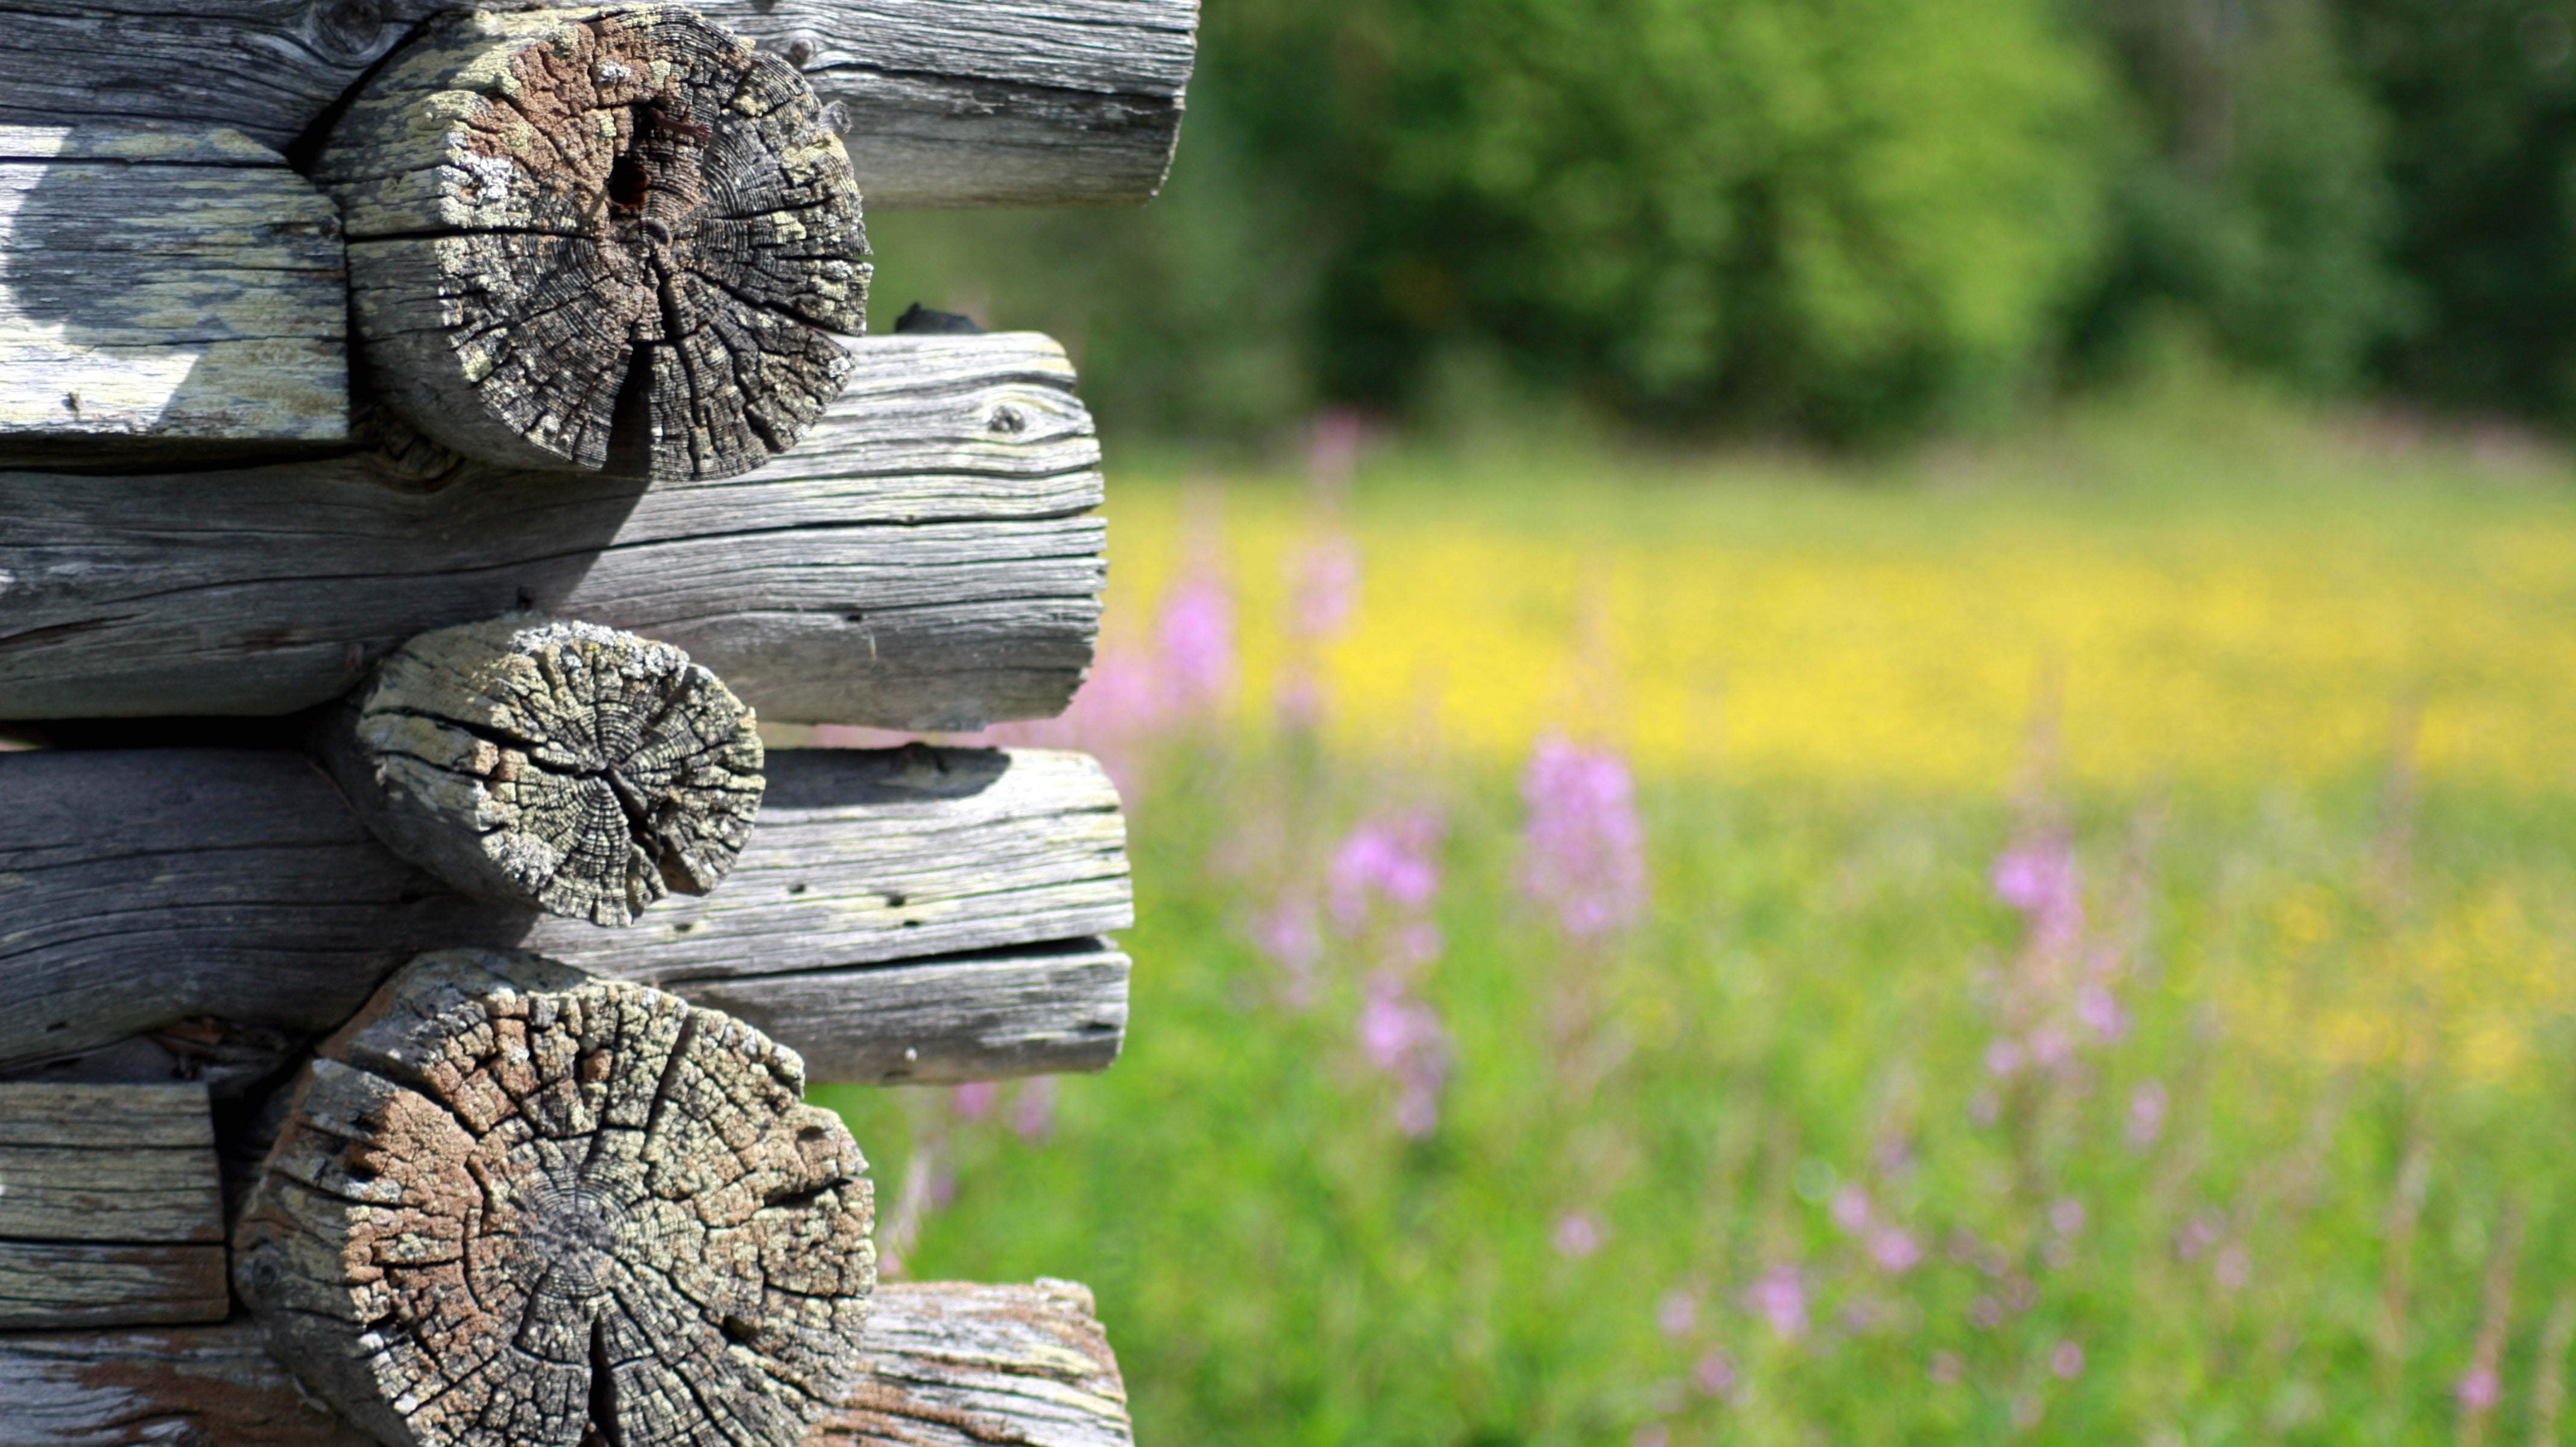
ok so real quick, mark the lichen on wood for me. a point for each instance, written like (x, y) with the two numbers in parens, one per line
(552, 763)
(614, 239)
(515, 1204)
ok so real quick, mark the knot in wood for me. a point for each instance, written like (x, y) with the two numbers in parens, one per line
(563, 765)
(609, 238)
(516, 1204)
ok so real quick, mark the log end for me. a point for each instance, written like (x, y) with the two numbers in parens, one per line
(576, 769)
(514, 1204)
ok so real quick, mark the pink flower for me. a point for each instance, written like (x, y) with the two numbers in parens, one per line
(1715, 1375)
(1389, 859)
(1850, 1209)
(1402, 1036)
(975, 1099)
(2146, 1114)
(1896, 1252)
(1584, 850)
(2480, 1390)
(1327, 587)
(1577, 1234)
(1196, 637)
(1033, 1109)
(2066, 1359)
(1780, 1298)
(2066, 1215)
(1677, 1313)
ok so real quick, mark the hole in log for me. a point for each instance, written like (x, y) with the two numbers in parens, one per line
(629, 178)
(740, 1332)
(797, 888)
(799, 1200)
(894, 901)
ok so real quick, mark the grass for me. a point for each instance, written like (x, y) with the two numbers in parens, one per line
(2290, 693)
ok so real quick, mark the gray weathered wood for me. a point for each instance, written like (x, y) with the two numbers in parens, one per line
(950, 1365)
(958, 1365)
(917, 562)
(605, 239)
(111, 1210)
(160, 286)
(550, 763)
(82, 1283)
(518, 1205)
(145, 887)
(111, 1163)
(1027, 1012)
(943, 102)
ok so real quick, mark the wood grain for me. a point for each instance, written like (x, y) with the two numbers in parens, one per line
(140, 888)
(550, 763)
(160, 286)
(82, 1283)
(950, 1365)
(919, 562)
(516, 1205)
(941, 102)
(111, 1210)
(598, 239)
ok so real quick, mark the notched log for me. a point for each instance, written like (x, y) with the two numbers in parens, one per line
(520, 1206)
(919, 562)
(609, 239)
(945, 102)
(576, 769)
(110, 1206)
(165, 292)
(904, 906)
(949, 1364)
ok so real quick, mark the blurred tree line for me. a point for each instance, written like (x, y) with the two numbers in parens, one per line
(1838, 218)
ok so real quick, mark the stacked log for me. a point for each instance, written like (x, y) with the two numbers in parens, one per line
(432, 439)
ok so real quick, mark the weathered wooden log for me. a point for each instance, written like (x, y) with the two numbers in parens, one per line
(917, 562)
(518, 1205)
(146, 887)
(609, 239)
(943, 102)
(111, 1211)
(164, 286)
(949, 1365)
(550, 763)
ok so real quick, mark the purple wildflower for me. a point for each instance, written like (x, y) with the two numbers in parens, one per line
(1715, 1375)
(1327, 588)
(1402, 1036)
(1195, 634)
(1780, 1298)
(975, 1099)
(1585, 850)
(2038, 878)
(1033, 1109)
(2146, 1114)
(2066, 1215)
(1946, 1368)
(1677, 1313)
(1895, 1251)
(2480, 1390)
(1391, 859)
(1578, 1234)
(1850, 1209)
(2066, 1359)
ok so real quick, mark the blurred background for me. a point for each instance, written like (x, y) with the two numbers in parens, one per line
(1844, 720)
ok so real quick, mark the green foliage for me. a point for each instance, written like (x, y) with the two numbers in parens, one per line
(2249, 200)
(2481, 97)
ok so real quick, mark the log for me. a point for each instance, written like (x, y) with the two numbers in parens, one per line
(142, 888)
(942, 102)
(515, 1205)
(111, 1209)
(557, 765)
(919, 562)
(950, 1365)
(164, 287)
(600, 239)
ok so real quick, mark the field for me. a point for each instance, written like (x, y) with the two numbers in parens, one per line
(2068, 940)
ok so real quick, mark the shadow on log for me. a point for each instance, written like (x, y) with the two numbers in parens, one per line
(140, 888)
